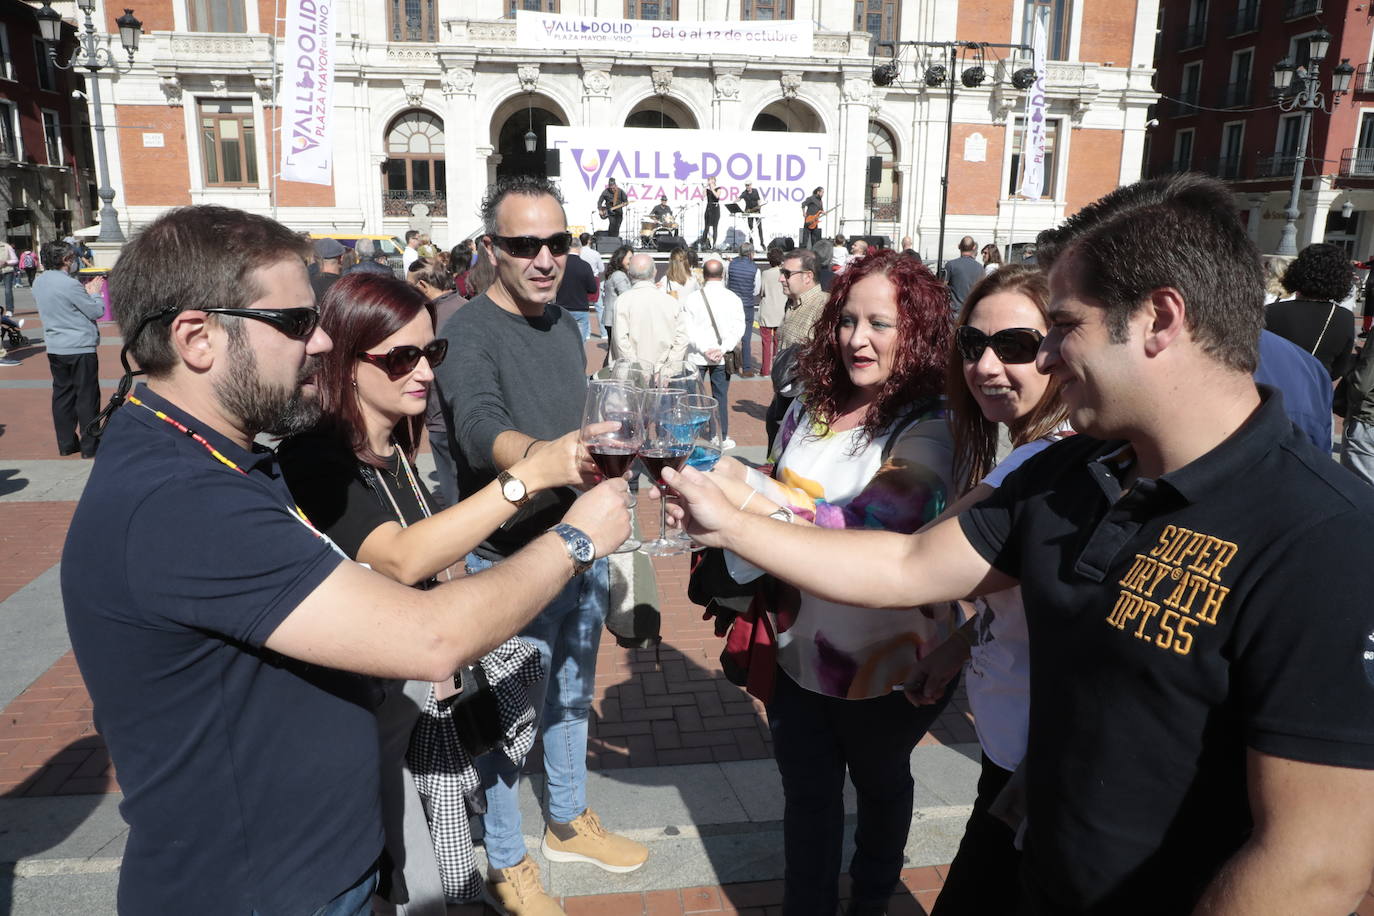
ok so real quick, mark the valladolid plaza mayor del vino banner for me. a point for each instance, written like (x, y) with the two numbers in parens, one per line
(648, 163)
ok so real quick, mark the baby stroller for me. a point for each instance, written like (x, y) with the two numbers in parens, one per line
(11, 337)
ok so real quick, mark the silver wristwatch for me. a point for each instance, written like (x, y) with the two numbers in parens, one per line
(782, 514)
(580, 547)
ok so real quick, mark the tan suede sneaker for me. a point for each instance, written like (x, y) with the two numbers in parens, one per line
(585, 840)
(517, 891)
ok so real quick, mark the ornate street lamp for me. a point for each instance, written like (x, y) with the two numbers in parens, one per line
(1299, 88)
(93, 55)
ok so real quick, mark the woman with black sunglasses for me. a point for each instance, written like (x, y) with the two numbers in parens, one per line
(993, 383)
(354, 476)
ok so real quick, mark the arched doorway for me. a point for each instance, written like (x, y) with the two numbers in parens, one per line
(510, 140)
(789, 115)
(884, 200)
(414, 170)
(662, 112)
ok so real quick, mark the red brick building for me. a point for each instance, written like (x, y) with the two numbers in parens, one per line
(47, 182)
(1218, 112)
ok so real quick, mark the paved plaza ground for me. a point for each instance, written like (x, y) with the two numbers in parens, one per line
(681, 758)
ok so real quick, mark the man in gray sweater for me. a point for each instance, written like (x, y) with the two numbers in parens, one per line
(69, 310)
(515, 379)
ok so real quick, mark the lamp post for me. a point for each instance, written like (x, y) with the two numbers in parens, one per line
(1306, 96)
(93, 56)
(936, 73)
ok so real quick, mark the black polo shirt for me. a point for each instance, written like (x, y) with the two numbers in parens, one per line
(1220, 607)
(250, 780)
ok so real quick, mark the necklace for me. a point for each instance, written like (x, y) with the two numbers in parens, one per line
(218, 456)
(415, 489)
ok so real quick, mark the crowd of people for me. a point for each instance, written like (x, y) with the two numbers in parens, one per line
(1170, 677)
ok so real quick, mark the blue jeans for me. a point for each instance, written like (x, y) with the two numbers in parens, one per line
(720, 390)
(584, 322)
(746, 358)
(816, 739)
(356, 901)
(566, 633)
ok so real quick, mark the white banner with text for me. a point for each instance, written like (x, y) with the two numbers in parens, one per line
(306, 98)
(782, 37)
(649, 163)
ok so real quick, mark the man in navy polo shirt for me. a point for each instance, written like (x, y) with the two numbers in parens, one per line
(1195, 581)
(216, 629)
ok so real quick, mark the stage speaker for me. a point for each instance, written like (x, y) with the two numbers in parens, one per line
(875, 170)
(785, 242)
(607, 244)
(874, 241)
(551, 163)
(669, 242)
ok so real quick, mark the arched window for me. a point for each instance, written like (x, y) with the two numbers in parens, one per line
(661, 111)
(884, 198)
(413, 20)
(414, 167)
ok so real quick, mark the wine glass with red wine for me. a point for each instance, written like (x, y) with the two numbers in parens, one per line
(667, 443)
(613, 452)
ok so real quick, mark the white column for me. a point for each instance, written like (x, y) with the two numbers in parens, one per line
(462, 133)
(851, 214)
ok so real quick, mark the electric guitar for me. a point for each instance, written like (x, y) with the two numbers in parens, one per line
(604, 212)
(814, 219)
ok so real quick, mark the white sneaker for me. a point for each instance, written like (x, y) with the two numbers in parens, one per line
(727, 444)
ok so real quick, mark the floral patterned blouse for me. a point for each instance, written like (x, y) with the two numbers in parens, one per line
(841, 650)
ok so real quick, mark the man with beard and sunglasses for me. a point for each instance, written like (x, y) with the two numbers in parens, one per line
(231, 651)
(1195, 578)
(516, 379)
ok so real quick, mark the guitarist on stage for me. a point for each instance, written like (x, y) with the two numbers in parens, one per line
(812, 210)
(610, 206)
(753, 209)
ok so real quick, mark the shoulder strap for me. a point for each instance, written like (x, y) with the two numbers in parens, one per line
(711, 314)
(1329, 315)
(913, 416)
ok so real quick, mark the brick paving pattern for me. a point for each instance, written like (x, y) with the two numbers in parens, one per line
(652, 708)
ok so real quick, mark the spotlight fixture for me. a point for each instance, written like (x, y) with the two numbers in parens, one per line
(886, 74)
(1023, 78)
(935, 74)
(973, 77)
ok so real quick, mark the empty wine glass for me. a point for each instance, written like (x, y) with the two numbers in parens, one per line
(706, 443)
(636, 372)
(612, 400)
(667, 443)
(681, 374)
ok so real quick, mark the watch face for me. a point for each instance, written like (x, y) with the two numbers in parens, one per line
(513, 490)
(583, 550)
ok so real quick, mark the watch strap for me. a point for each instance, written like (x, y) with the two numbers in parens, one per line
(570, 536)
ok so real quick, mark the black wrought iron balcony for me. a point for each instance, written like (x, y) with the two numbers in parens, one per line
(1192, 35)
(1186, 104)
(1227, 168)
(1363, 84)
(1294, 9)
(399, 203)
(1358, 162)
(1235, 95)
(1244, 19)
(1275, 165)
(1171, 167)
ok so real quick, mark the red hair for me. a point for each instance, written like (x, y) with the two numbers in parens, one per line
(360, 310)
(924, 342)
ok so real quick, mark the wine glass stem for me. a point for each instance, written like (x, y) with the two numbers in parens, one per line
(662, 512)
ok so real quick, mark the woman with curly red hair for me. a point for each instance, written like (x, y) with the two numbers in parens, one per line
(865, 446)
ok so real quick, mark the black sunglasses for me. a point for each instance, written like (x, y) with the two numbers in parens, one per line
(298, 323)
(399, 361)
(527, 246)
(1012, 345)
(788, 273)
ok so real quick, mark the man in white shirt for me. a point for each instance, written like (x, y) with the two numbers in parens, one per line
(598, 266)
(649, 325)
(715, 325)
(411, 253)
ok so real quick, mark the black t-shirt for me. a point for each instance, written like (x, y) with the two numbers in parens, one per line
(812, 205)
(321, 282)
(250, 780)
(1320, 326)
(340, 497)
(749, 199)
(1221, 607)
(662, 213)
(579, 282)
